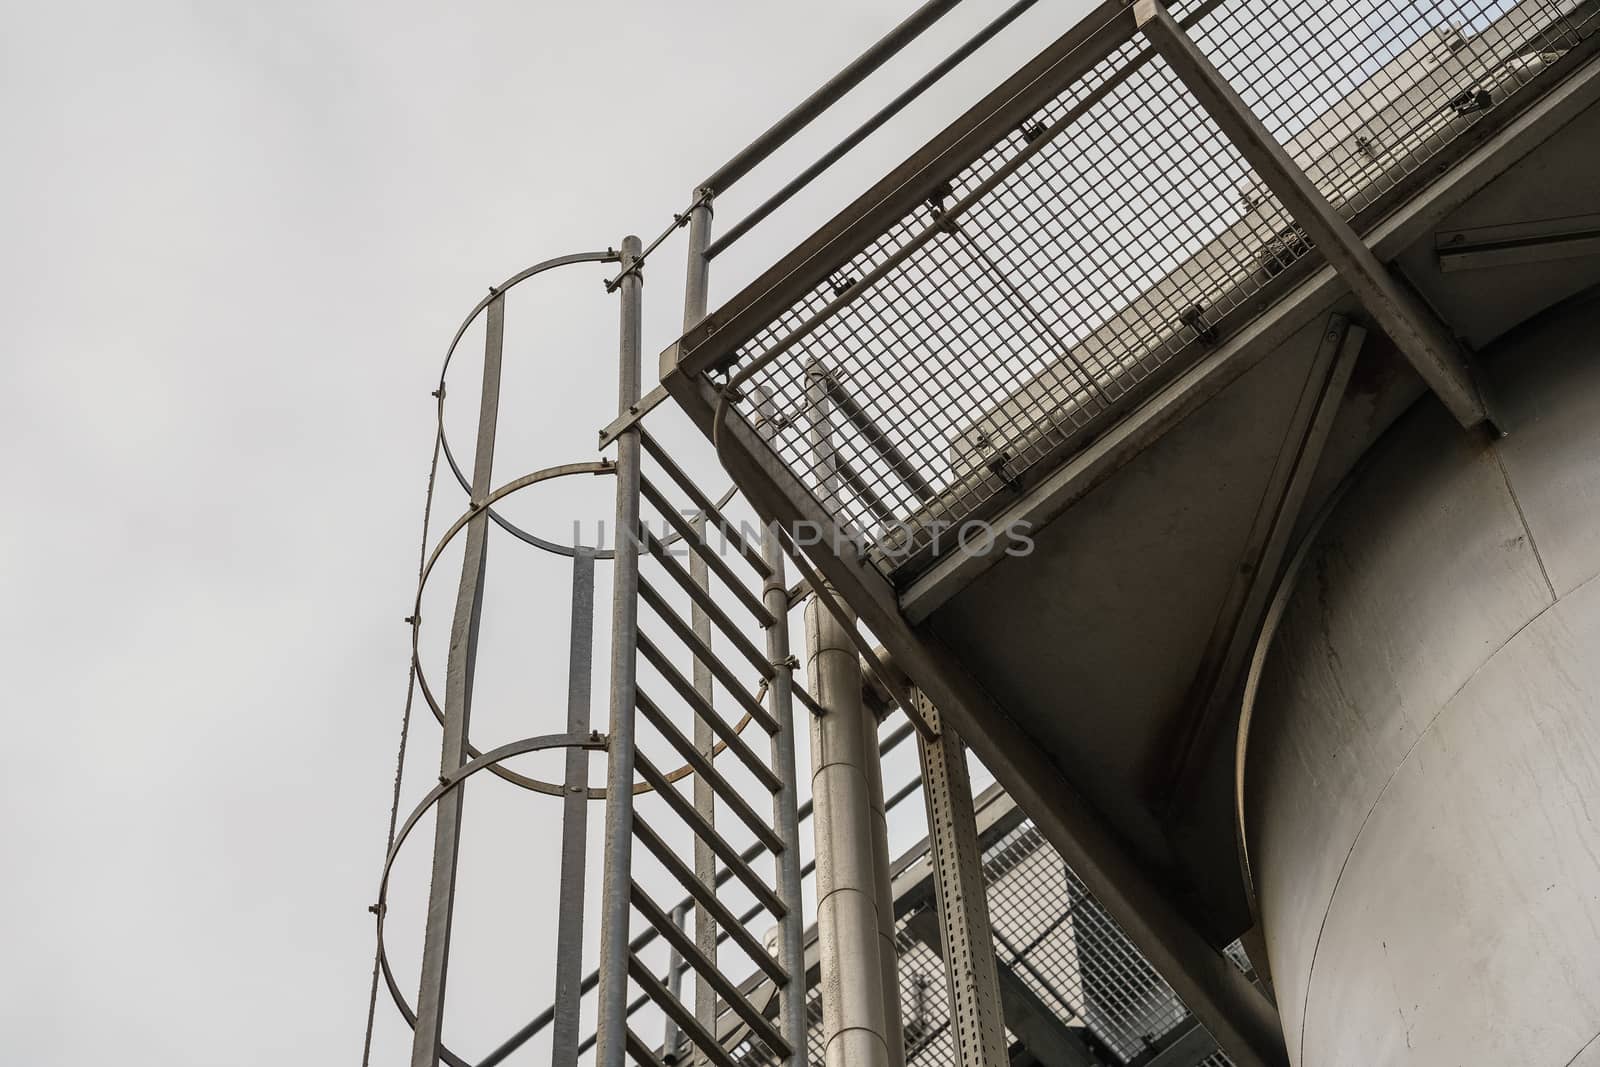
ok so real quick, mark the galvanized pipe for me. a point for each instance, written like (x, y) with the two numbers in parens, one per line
(870, 126)
(855, 1025)
(791, 948)
(695, 297)
(672, 1037)
(614, 908)
(462, 663)
(779, 134)
(878, 824)
(705, 800)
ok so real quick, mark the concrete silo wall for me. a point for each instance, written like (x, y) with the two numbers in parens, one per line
(1422, 777)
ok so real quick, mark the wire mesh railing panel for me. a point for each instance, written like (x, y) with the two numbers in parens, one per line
(1019, 308)
(1364, 94)
(1102, 246)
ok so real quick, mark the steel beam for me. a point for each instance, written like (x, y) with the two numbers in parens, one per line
(1042, 1032)
(961, 897)
(614, 907)
(574, 815)
(1244, 1022)
(1425, 341)
(460, 667)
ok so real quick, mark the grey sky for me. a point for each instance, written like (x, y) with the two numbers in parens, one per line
(236, 239)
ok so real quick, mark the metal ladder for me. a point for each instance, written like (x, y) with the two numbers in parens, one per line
(700, 614)
(718, 586)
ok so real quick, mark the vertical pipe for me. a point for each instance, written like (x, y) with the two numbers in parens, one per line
(697, 279)
(613, 994)
(695, 288)
(819, 419)
(785, 803)
(888, 964)
(458, 708)
(705, 805)
(672, 1035)
(854, 1020)
(574, 816)
(855, 1025)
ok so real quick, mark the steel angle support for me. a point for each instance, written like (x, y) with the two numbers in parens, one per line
(1425, 341)
(1239, 620)
(961, 896)
(1243, 1021)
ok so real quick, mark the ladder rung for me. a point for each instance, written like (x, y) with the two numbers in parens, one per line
(706, 769)
(705, 831)
(640, 1051)
(707, 896)
(703, 549)
(759, 1024)
(691, 696)
(704, 598)
(678, 1013)
(704, 503)
(700, 651)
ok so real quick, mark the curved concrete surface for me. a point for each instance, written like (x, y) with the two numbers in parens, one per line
(1422, 779)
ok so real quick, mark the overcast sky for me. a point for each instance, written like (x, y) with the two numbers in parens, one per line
(236, 238)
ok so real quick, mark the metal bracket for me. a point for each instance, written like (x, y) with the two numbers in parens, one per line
(636, 411)
(1516, 243)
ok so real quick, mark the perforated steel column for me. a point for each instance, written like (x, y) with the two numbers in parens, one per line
(962, 897)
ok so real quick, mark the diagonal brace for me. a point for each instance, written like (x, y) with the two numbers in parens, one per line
(1419, 335)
